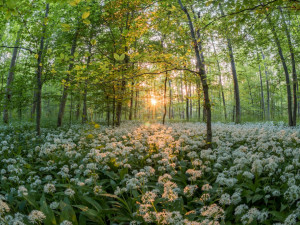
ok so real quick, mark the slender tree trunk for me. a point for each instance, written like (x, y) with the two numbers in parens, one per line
(294, 72)
(71, 108)
(268, 88)
(202, 74)
(122, 90)
(136, 104)
(182, 99)
(114, 106)
(191, 101)
(220, 79)
(10, 78)
(287, 77)
(107, 110)
(33, 108)
(261, 90)
(39, 76)
(78, 110)
(131, 101)
(234, 74)
(199, 100)
(171, 113)
(84, 109)
(66, 87)
(165, 98)
(187, 100)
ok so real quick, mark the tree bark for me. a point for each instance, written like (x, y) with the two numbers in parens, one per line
(136, 103)
(66, 87)
(84, 109)
(220, 79)
(131, 101)
(261, 90)
(294, 72)
(287, 77)
(268, 88)
(171, 113)
(165, 98)
(187, 101)
(202, 74)
(234, 74)
(10, 78)
(39, 76)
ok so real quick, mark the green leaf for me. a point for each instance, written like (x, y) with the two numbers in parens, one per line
(116, 56)
(278, 215)
(67, 213)
(256, 198)
(50, 218)
(122, 57)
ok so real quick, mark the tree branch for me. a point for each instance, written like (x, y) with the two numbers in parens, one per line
(238, 12)
(2, 46)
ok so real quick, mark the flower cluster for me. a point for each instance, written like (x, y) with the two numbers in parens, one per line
(137, 174)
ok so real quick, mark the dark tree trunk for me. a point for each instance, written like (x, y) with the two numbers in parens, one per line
(171, 113)
(294, 72)
(136, 103)
(235, 80)
(114, 106)
(10, 78)
(78, 110)
(187, 101)
(84, 109)
(191, 101)
(268, 88)
(107, 110)
(202, 74)
(262, 93)
(39, 76)
(182, 99)
(220, 79)
(131, 101)
(66, 86)
(165, 98)
(287, 77)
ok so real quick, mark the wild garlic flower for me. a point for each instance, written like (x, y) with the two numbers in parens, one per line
(66, 222)
(49, 188)
(69, 192)
(4, 208)
(36, 216)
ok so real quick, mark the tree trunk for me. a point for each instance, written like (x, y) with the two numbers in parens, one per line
(287, 77)
(268, 87)
(294, 73)
(165, 98)
(107, 110)
(78, 110)
(187, 101)
(171, 113)
(136, 103)
(261, 90)
(114, 106)
(10, 78)
(202, 74)
(39, 76)
(131, 101)
(66, 87)
(235, 80)
(191, 101)
(220, 79)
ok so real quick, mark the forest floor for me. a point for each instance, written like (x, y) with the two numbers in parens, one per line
(150, 174)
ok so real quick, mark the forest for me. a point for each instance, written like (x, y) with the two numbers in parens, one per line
(180, 112)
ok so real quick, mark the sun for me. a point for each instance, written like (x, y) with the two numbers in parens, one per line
(153, 101)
